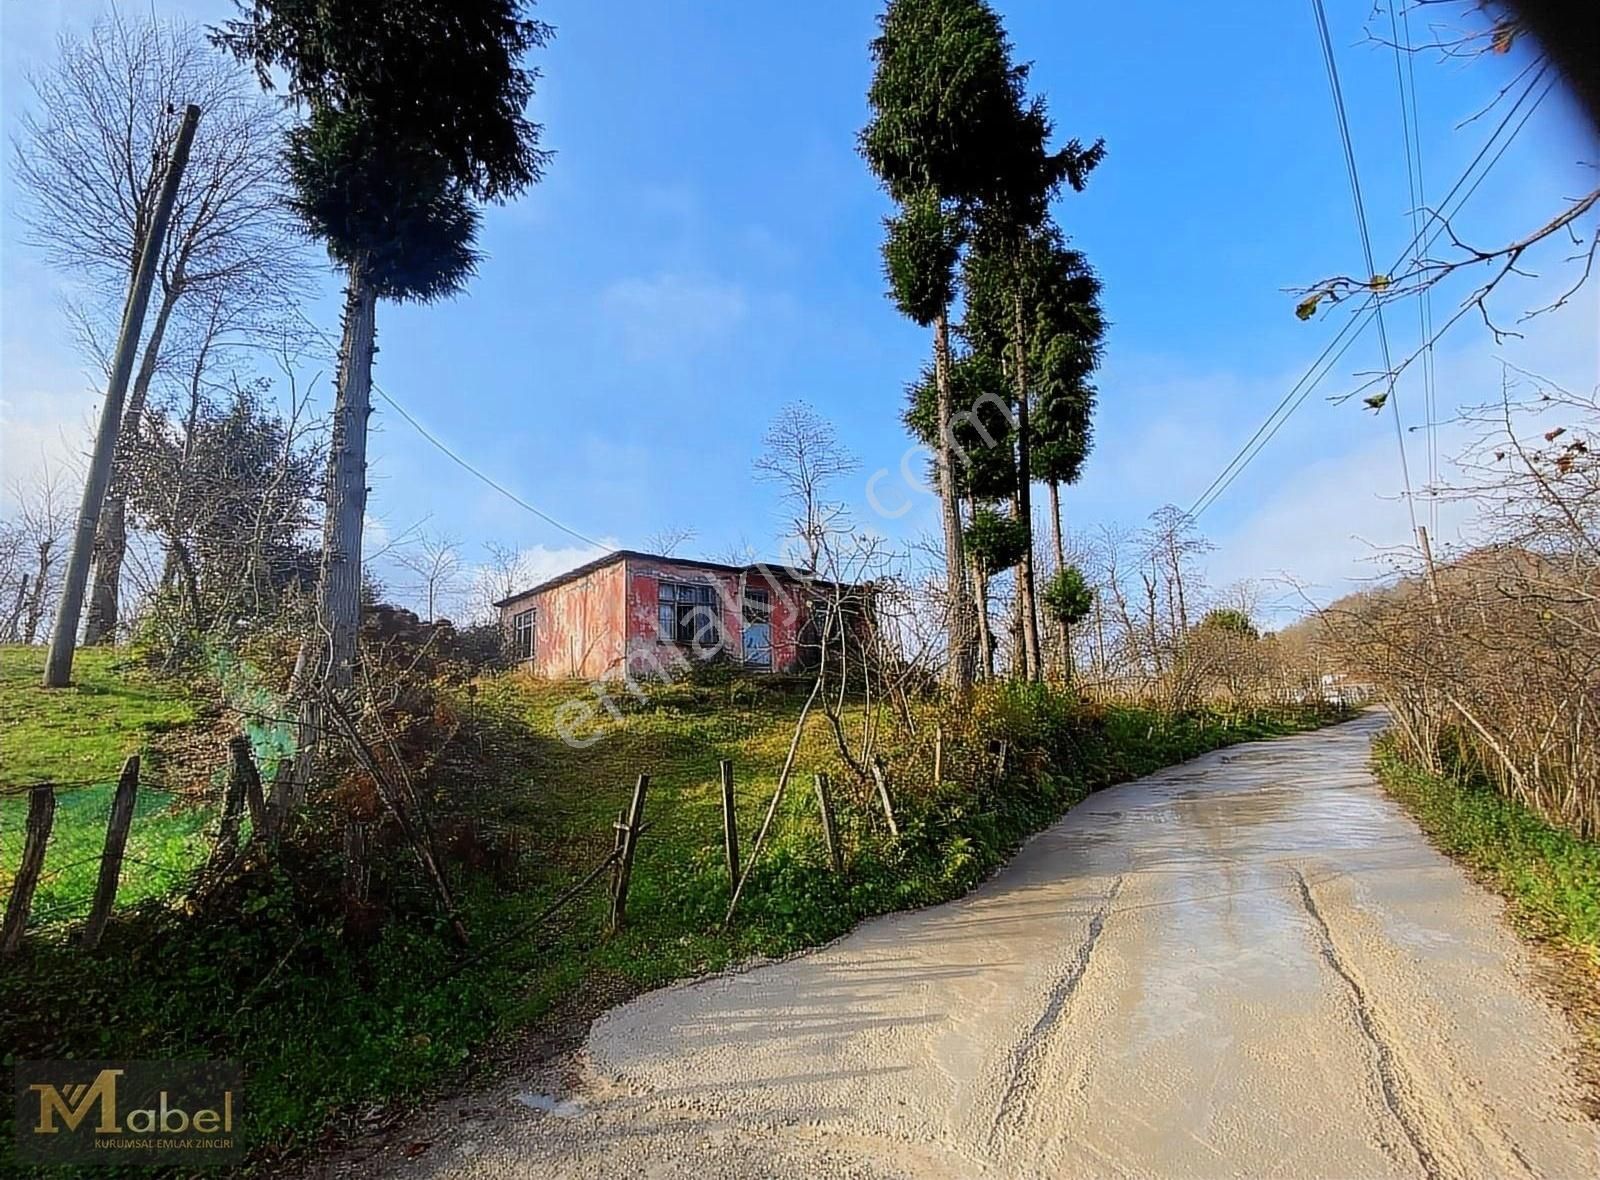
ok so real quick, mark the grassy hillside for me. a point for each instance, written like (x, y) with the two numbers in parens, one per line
(85, 731)
(78, 738)
(327, 1024)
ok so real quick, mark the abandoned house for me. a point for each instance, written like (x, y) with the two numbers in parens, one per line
(641, 615)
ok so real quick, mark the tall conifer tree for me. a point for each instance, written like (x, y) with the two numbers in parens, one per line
(414, 115)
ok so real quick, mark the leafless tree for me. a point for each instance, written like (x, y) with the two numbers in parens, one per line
(435, 562)
(666, 541)
(802, 455)
(1492, 654)
(504, 572)
(1173, 544)
(89, 158)
(30, 546)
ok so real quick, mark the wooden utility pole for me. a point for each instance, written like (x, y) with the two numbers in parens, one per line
(63, 640)
(1433, 575)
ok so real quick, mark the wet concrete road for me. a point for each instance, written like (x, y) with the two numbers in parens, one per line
(1248, 965)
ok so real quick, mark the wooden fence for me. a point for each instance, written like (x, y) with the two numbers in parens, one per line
(243, 796)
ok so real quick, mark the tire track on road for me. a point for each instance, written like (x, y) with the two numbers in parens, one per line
(1390, 1081)
(1021, 1068)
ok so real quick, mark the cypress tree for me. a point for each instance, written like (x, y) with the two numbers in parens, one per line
(943, 97)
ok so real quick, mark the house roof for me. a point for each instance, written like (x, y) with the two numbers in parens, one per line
(776, 569)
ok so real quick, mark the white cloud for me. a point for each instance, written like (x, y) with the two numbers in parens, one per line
(534, 564)
(671, 315)
(41, 433)
(541, 562)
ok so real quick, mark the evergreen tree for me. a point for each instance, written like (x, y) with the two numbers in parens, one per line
(414, 114)
(943, 95)
(1067, 342)
(1068, 599)
(982, 439)
(1011, 269)
(1033, 303)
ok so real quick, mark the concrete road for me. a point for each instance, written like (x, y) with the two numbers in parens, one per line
(1248, 965)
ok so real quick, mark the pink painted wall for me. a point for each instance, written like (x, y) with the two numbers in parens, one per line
(596, 626)
(649, 656)
(579, 630)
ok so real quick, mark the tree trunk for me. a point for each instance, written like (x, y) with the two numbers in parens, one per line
(1061, 564)
(36, 598)
(958, 610)
(980, 592)
(178, 554)
(1055, 525)
(985, 637)
(111, 542)
(1021, 656)
(14, 620)
(339, 588)
(1025, 583)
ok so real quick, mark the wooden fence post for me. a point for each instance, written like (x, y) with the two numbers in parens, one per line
(630, 845)
(105, 893)
(41, 815)
(228, 828)
(883, 795)
(825, 803)
(938, 754)
(617, 829)
(997, 770)
(730, 824)
(242, 767)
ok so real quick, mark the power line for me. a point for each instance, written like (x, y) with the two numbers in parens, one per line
(456, 458)
(1411, 130)
(1366, 246)
(1243, 458)
(1438, 220)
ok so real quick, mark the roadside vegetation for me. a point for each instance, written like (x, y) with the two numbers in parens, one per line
(78, 739)
(1549, 875)
(332, 1014)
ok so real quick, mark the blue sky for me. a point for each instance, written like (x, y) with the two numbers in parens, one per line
(704, 249)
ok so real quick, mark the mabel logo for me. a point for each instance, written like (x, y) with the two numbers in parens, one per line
(129, 1111)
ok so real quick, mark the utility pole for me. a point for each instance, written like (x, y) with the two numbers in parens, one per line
(64, 639)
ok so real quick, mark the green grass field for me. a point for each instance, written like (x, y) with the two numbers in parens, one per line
(78, 737)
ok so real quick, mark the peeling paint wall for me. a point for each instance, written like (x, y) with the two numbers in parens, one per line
(605, 622)
(648, 656)
(578, 631)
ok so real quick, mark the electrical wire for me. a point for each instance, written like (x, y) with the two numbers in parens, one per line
(1284, 408)
(457, 459)
(1392, 397)
(1411, 130)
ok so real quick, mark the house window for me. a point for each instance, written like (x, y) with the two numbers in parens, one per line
(688, 614)
(757, 628)
(522, 635)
